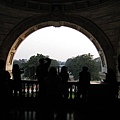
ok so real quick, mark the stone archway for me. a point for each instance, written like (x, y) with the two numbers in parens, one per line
(25, 28)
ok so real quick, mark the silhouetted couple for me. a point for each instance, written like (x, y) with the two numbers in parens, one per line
(56, 87)
(50, 81)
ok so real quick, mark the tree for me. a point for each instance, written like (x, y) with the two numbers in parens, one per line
(75, 66)
(32, 63)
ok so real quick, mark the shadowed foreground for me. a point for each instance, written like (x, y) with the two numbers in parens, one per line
(62, 111)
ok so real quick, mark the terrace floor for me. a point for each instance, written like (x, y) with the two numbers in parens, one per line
(65, 111)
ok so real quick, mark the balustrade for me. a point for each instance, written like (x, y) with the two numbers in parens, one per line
(31, 89)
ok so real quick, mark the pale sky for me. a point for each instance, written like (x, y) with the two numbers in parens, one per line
(59, 43)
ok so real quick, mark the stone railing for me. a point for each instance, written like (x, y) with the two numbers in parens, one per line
(30, 89)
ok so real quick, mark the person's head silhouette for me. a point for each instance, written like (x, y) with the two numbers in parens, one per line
(41, 60)
(52, 71)
(16, 67)
(63, 69)
(85, 68)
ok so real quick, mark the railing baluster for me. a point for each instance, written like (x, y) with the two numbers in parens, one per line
(32, 89)
(75, 94)
(26, 89)
(70, 92)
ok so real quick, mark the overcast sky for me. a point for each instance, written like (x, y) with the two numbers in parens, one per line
(59, 43)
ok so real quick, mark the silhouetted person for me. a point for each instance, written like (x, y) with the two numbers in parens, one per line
(4, 79)
(42, 72)
(65, 77)
(16, 72)
(53, 86)
(4, 88)
(111, 80)
(84, 83)
(8, 84)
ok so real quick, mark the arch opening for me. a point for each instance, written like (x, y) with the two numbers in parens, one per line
(36, 27)
(58, 43)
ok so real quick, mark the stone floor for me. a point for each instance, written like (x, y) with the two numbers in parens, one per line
(82, 111)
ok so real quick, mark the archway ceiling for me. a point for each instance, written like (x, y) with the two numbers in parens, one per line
(103, 13)
(46, 4)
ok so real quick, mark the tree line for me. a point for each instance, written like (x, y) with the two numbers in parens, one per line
(74, 65)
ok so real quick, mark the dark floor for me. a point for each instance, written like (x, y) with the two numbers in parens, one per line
(82, 111)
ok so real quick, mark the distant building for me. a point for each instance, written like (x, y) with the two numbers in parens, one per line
(22, 60)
